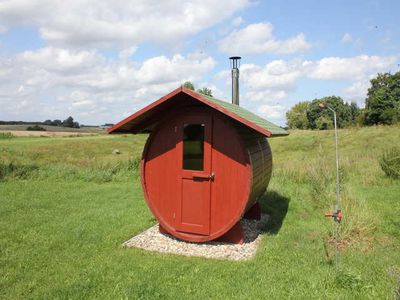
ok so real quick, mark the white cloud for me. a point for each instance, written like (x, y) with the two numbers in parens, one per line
(347, 38)
(161, 69)
(118, 23)
(61, 60)
(54, 82)
(127, 53)
(276, 74)
(272, 111)
(237, 21)
(353, 68)
(267, 95)
(357, 91)
(258, 38)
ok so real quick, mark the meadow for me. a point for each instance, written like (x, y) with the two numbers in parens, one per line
(67, 204)
(49, 131)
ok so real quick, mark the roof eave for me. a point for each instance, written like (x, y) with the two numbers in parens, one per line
(144, 109)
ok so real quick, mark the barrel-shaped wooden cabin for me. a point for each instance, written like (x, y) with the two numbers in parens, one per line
(205, 164)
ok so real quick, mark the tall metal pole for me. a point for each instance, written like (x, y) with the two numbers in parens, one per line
(337, 187)
(337, 160)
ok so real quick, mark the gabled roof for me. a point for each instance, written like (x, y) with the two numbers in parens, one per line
(144, 118)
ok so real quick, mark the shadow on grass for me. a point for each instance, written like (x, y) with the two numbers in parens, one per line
(276, 206)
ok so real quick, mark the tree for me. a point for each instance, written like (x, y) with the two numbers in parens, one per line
(56, 123)
(189, 85)
(308, 115)
(297, 116)
(69, 122)
(355, 112)
(205, 91)
(343, 110)
(323, 123)
(382, 105)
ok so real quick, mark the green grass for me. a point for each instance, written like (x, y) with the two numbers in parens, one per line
(67, 204)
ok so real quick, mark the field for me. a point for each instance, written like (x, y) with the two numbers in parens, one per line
(67, 204)
(51, 131)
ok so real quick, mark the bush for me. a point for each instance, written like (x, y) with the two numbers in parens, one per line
(323, 123)
(390, 163)
(36, 128)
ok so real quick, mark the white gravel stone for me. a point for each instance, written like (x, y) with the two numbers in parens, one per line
(153, 240)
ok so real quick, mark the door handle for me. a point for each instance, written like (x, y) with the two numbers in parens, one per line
(211, 176)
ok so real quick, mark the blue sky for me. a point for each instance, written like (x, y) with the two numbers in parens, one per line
(100, 61)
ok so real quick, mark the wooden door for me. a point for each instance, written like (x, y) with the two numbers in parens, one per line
(195, 174)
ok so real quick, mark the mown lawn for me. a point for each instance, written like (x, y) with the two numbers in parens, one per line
(67, 204)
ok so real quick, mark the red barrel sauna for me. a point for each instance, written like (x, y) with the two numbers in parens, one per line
(205, 164)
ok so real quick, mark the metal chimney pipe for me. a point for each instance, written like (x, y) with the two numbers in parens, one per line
(235, 78)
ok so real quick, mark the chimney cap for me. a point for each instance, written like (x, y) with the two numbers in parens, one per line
(235, 61)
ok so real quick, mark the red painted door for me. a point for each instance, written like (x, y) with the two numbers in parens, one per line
(195, 174)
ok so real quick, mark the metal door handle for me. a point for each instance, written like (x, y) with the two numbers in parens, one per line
(211, 176)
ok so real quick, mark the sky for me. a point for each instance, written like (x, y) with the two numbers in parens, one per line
(100, 61)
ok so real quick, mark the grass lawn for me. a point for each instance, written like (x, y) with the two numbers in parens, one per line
(67, 205)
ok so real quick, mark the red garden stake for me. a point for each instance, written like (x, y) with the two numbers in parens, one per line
(337, 215)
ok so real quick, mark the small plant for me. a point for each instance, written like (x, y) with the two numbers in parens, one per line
(10, 170)
(134, 163)
(36, 128)
(6, 135)
(348, 280)
(390, 163)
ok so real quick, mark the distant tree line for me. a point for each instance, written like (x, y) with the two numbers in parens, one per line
(20, 123)
(308, 114)
(68, 122)
(382, 106)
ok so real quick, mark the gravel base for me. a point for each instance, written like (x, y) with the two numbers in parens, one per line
(153, 240)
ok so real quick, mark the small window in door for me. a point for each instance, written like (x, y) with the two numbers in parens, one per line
(193, 147)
